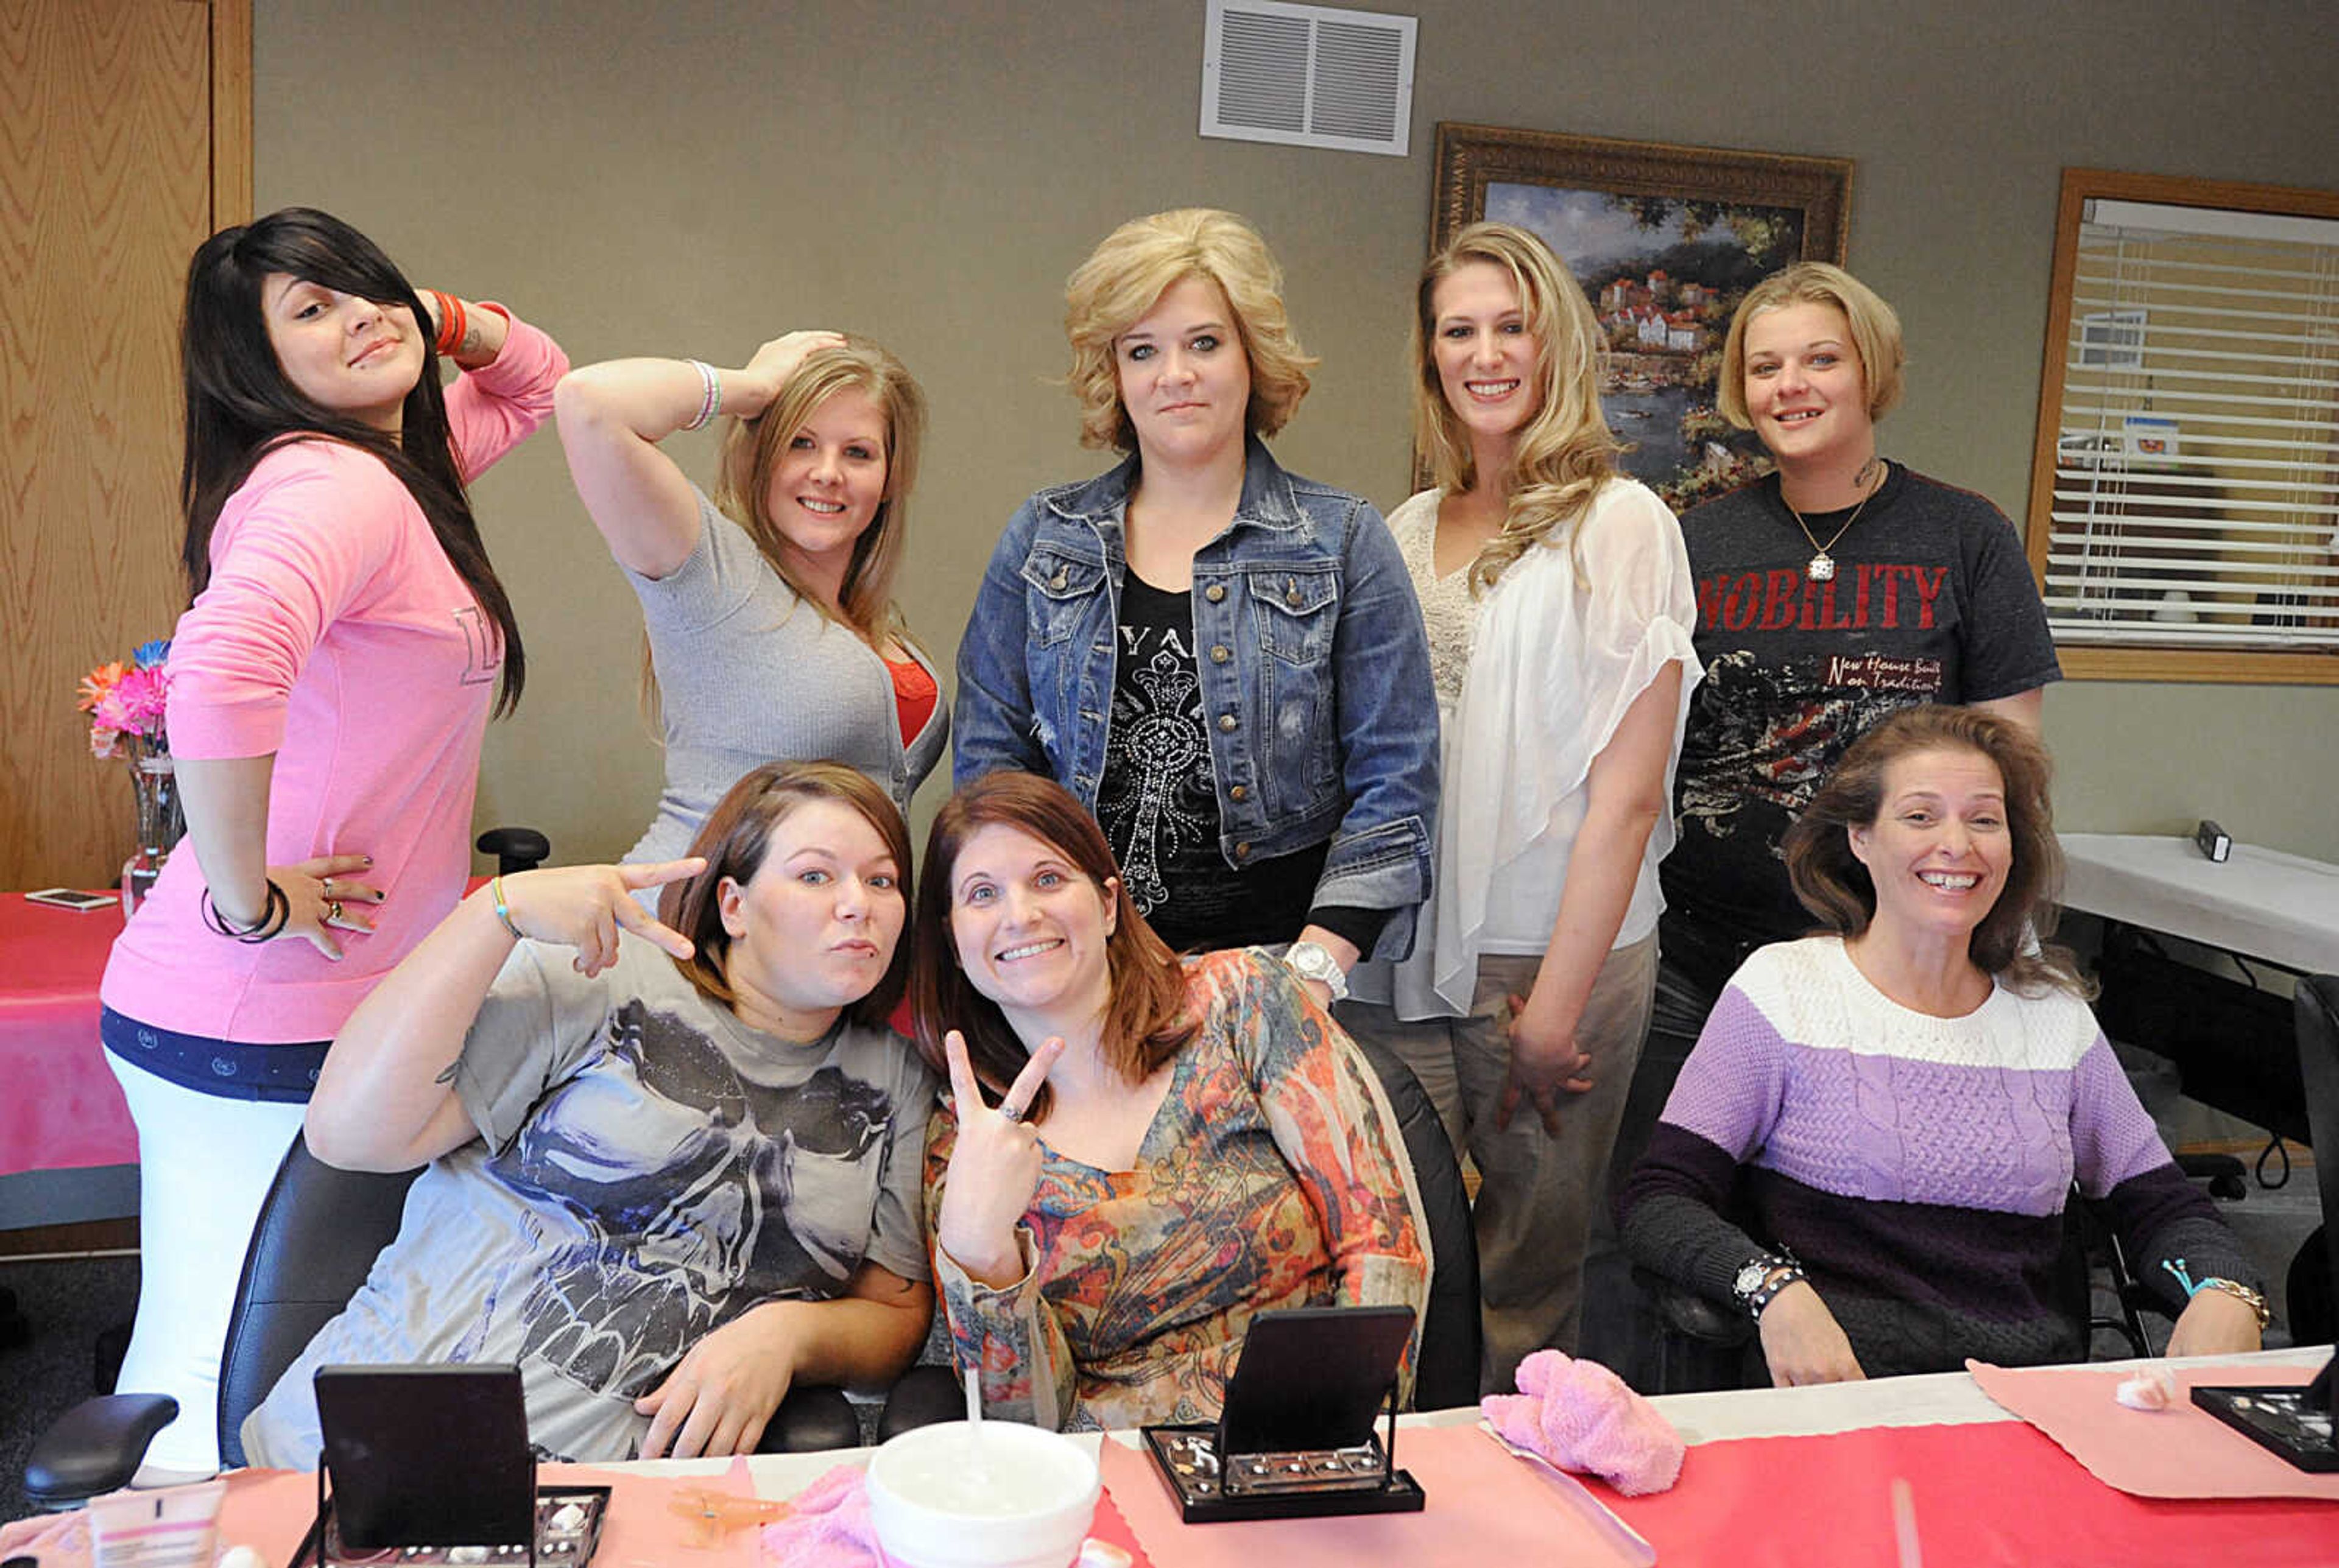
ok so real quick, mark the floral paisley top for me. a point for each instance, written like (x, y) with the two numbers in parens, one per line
(1273, 1175)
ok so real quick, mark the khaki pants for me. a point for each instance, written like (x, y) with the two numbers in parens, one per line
(1537, 1192)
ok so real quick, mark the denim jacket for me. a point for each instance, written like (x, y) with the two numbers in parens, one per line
(1314, 668)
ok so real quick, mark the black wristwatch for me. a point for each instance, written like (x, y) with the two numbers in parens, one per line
(1761, 1278)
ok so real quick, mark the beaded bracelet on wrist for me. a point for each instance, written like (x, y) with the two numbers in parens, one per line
(503, 910)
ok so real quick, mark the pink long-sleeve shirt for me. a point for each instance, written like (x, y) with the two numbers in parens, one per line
(335, 634)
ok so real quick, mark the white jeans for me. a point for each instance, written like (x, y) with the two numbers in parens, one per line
(205, 1164)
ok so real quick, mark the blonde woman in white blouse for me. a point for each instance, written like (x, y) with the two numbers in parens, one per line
(1559, 607)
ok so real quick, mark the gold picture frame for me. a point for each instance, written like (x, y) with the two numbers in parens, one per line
(1717, 219)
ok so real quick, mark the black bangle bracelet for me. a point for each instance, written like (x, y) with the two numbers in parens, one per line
(279, 916)
(274, 916)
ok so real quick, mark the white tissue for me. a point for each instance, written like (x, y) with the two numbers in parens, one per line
(2153, 1388)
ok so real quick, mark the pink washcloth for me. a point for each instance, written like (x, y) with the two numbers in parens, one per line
(1579, 1416)
(830, 1527)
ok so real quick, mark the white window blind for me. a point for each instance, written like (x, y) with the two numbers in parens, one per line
(2196, 492)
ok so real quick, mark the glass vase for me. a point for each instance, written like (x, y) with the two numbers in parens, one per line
(161, 823)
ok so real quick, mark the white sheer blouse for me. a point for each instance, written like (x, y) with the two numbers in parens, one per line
(1555, 653)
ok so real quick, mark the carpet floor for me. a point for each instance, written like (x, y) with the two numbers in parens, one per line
(65, 1303)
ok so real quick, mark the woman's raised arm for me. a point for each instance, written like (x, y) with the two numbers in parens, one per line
(612, 417)
(386, 1100)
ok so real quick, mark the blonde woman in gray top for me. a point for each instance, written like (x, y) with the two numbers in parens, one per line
(773, 631)
(1557, 598)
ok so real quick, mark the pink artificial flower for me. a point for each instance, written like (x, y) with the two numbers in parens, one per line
(144, 695)
(114, 711)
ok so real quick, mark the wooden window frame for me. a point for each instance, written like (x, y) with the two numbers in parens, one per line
(2092, 662)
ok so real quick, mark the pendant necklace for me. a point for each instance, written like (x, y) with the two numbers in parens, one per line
(1820, 568)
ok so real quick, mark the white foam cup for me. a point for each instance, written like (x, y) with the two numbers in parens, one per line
(999, 1496)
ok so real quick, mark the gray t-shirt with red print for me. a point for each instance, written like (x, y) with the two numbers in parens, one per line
(1931, 600)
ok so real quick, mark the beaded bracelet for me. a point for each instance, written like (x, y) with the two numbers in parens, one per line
(503, 911)
(274, 916)
(712, 404)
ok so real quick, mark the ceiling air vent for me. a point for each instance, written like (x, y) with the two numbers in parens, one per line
(1308, 74)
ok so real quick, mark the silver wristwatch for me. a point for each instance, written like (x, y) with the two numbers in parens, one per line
(1755, 1289)
(1314, 961)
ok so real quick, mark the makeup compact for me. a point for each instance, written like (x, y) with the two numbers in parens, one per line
(1295, 1438)
(392, 1489)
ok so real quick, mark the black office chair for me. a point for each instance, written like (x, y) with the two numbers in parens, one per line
(2310, 1293)
(1446, 1374)
(515, 849)
(319, 1231)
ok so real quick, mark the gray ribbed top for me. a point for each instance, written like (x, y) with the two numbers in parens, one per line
(749, 673)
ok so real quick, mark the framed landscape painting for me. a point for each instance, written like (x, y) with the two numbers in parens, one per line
(1665, 242)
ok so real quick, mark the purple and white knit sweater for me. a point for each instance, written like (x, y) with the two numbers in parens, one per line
(1915, 1166)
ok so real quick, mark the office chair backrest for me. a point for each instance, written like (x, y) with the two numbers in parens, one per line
(2317, 1000)
(319, 1232)
(1446, 1376)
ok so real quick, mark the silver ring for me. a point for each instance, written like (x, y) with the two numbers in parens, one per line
(1010, 1112)
(332, 910)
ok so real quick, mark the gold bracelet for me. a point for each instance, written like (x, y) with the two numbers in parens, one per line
(2250, 1298)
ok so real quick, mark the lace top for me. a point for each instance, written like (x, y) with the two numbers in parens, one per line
(1447, 611)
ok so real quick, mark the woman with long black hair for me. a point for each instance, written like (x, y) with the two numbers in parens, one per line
(330, 688)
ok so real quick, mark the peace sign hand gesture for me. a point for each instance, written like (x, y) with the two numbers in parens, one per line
(993, 1170)
(586, 906)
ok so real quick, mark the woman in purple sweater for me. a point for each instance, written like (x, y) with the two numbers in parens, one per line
(1902, 1106)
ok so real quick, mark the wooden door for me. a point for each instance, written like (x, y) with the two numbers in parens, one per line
(127, 139)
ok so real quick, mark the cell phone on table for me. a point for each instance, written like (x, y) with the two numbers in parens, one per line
(70, 898)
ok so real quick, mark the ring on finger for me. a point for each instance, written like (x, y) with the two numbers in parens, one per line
(332, 910)
(1011, 1112)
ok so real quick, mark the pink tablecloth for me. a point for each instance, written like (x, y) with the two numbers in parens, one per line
(1985, 1493)
(270, 1511)
(59, 1106)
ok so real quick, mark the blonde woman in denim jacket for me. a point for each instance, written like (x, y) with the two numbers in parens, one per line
(1222, 661)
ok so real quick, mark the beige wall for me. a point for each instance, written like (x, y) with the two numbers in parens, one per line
(691, 178)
